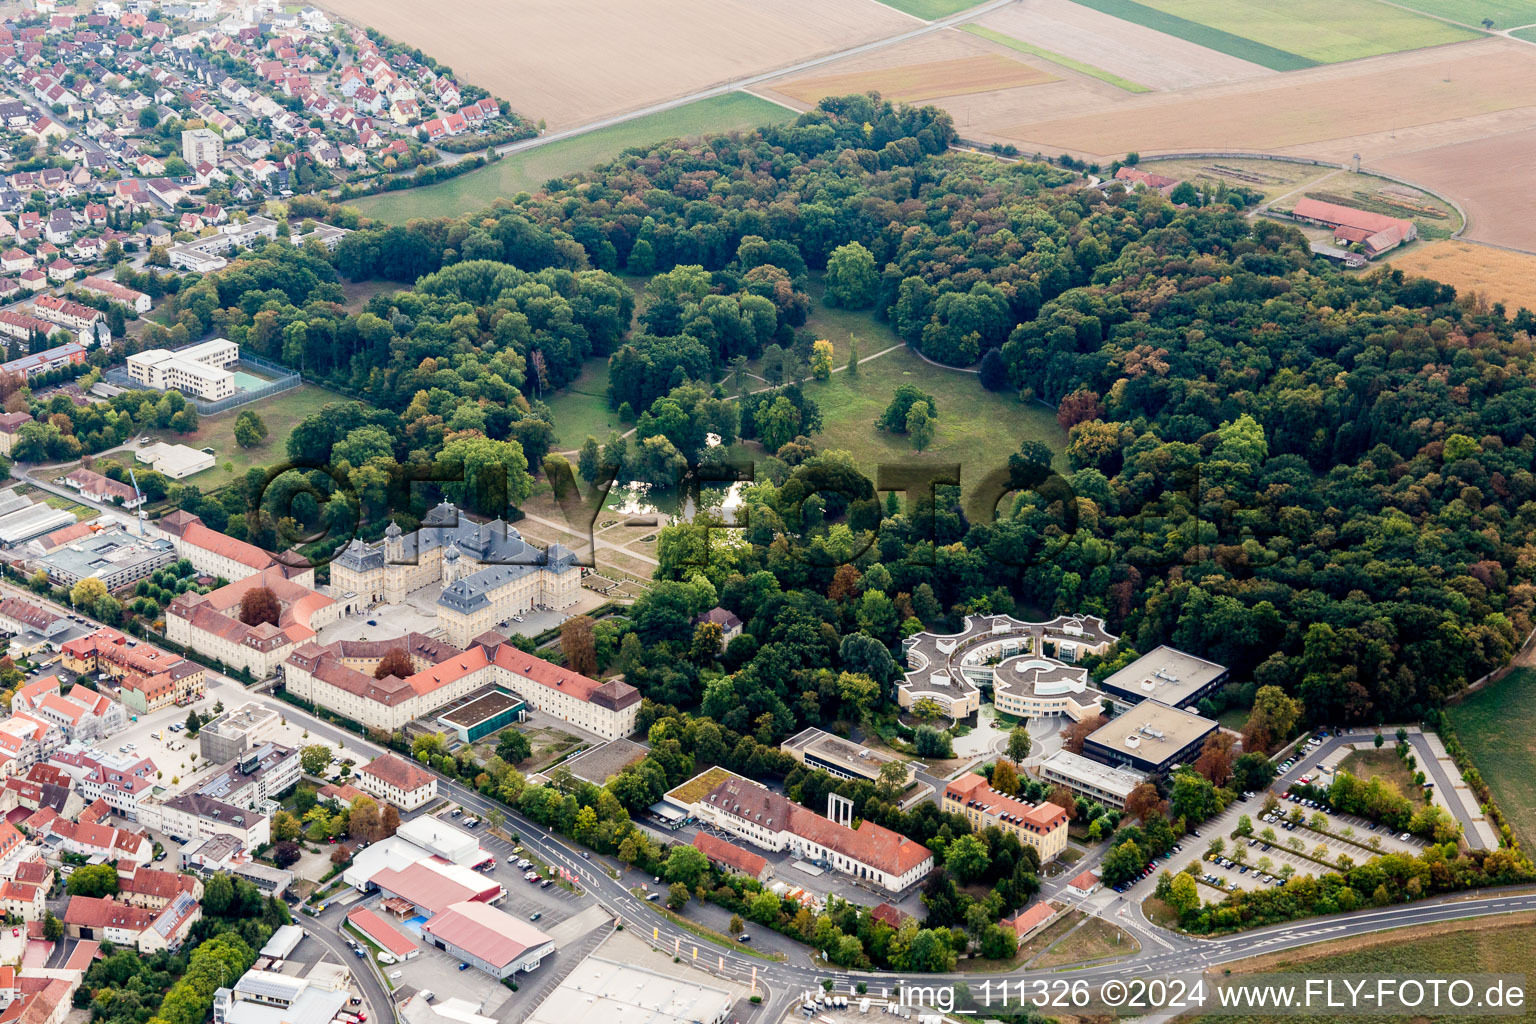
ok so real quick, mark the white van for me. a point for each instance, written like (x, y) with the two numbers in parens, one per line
(395, 975)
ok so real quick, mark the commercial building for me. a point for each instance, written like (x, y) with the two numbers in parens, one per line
(210, 623)
(177, 461)
(429, 886)
(230, 735)
(207, 253)
(148, 678)
(886, 860)
(488, 572)
(1151, 737)
(382, 934)
(1166, 675)
(200, 370)
(483, 714)
(1091, 779)
(419, 839)
(598, 989)
(116, 557)
(1042, 825)
(393, 779)
(951, 670)
(215, 554)
(339, 677)
(843, 759)
(258, 775)
(489, 939)
(272, 997)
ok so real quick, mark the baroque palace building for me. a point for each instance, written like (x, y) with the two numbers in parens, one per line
(487, 571)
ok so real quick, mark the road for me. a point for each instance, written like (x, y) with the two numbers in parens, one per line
(722, 88)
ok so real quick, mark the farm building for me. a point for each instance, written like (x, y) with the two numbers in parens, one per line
(1375, 232)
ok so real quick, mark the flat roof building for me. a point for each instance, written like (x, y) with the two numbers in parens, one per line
(844, 759)
(1088, 778)
(604, 990)
(177, 461)
(602, 762)
(481, 714)
(1150, 737)
(234, 732)
(116, 557)
(1167, 675)
(201, 370)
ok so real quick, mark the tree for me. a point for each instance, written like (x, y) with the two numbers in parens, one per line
(1004, 778)
(578, 645)
(677, 896)
(994, 372)
(1274, 718)
(286, 853)
(249, 429)
(893, 777)
(396, 662)
(194, 723)
(852, 277)
(1073, 738)
(315, 759)
(1143, 801)
(735, 927)
(389, 821)
(285, 826)
(53, 928)
(919, 425)
(1379, 740)
(966, 858)
(1183, 894)
(93, 880)
(512, 746)
(1019, 744)
(363, 821)
(258, 605)
(87, 593)
(589, 459)
(340, 854)
(685, 864)
(821, 359)
(894, 419)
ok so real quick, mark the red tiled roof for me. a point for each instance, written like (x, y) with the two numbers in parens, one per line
(1086, 880)
(394, 770)
(95, 912)
(1041, 817)
(1030, 918)
(729, 854)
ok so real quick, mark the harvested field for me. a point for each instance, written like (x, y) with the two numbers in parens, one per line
(1140, 54)
(931, 10)
(1293, 35)
(1499, 275)
(1323, 112)
(1071, 64)
(573, 61)
(916, 82)
(1489, 177)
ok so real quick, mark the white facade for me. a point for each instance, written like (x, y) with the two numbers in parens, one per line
(200, 370)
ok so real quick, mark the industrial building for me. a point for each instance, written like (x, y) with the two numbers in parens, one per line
(605, 990)
(22, 525)
(489, 939)
(177, 461)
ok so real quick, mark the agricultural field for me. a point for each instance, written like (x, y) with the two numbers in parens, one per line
(1499, 945)
(950, 63)
(528, 170)
(570, 62)
(1497, 726)
(931, 10)
(1409, 101)
(1505, 14)
(1291, 36)
(918, 82)
(1498, 275)
(1056, 58)
(1486, 177)
(280, 413)
(1121, 48)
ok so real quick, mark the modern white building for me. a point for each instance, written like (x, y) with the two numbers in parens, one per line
(177, 461)
(200, 370)
(201, 145)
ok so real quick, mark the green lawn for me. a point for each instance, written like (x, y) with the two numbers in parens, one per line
(582, 408)
(931, 10)
(530, 169)
(280, 413)
(1497, 726)
(1056, 58)
(977, 429)
(1290, 36)
(1528, 34)
(1505, 14)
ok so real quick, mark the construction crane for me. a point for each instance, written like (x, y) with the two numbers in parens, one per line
(138, 513)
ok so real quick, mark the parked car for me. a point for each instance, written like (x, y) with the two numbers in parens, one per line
(535, 915)
(463, 967)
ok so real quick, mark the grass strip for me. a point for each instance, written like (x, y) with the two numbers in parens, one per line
(1056, 58)
(707, 934)
(1204, 35)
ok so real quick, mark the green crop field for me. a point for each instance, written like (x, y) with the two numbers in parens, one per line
(1056, 58)
(1504, 14)
(1291, 36)
(1497, 726)
(931, 10)
(530, 169)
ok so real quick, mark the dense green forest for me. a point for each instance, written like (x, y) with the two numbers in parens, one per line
(1320, 479)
